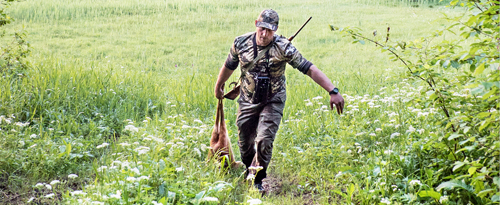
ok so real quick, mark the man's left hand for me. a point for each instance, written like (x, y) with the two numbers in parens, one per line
(338, 100)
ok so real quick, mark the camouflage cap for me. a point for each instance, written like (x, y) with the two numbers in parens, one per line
(268, 19)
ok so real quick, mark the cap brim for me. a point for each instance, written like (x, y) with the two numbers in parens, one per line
(266, 25)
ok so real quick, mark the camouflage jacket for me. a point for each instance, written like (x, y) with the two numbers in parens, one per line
(281, 52)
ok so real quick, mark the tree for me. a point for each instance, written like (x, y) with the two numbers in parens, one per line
(13, 53)
(462, 79)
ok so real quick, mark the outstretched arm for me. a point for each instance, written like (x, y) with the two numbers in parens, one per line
(224, 74)
(321, 79)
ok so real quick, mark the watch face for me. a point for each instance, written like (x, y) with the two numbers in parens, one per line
(334, 91)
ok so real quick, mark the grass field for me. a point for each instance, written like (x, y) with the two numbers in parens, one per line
(120, 104)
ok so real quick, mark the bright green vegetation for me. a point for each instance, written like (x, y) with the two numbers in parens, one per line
(120, 93)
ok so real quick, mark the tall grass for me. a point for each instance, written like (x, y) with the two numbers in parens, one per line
(124, 89)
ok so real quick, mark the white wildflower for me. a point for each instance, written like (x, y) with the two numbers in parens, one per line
(118, 195)
(395, 134)
(410, 129)
(422, 114)
(373, 134)
(254, 201)
(361, 133)
(393, 114)
(21, 143)
(131, 179)
(385, 201)
(421, 131)
(338, 174)
(102, 168)
(143, 178)
(135, 170)
(142, 150)
(349, 151)
(415, 182)
(443, 199)
(48, 186)
(378, 130)
(156, 203)
(39, 185)
(388, 152)
(20, 124)
(124, 144)
(309, 104)
(102, 145)
(49, 196)
(54, 182)
(131, 128)
(98, 203)
(197, 151)
(32, 136)
(208, 198)
(78, 193)
(30, 200)
(371, 191)
(72, 176)
(179, 169)
(317, 98)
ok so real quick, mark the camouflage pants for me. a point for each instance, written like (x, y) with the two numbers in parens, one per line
(257, 127)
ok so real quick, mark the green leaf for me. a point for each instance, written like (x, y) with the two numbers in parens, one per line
(161, 190)
(362, 42)
(162, 200)
(340, 193)
(68, 148)
(458, 165)
(200, 195)
(472, 170)
(454, 184)
(495, 198)
(446, 63)
(454, 136)
(496, 180)
(485, 192)
(429, 193)
(351, 190)
(466, 129)
(463, 57)
(484, 125)
(479, 69)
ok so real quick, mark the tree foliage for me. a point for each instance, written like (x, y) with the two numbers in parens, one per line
(459, 66)
(14, 51)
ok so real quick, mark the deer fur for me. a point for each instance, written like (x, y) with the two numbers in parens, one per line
(220, 143)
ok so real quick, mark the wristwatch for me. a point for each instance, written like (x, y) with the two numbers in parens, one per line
(334, 91)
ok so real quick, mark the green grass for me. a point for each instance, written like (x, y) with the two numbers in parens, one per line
(99, 66)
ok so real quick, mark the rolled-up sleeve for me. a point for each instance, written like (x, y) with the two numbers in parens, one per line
(232, 60)
(296, 60)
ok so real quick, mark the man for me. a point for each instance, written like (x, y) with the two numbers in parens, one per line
(263, 93)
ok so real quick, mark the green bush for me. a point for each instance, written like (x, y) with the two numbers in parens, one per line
(458, 68)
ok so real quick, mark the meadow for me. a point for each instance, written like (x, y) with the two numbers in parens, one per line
(118, 105)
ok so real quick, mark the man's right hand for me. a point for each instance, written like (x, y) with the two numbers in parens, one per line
(224, 74)
(219, 91)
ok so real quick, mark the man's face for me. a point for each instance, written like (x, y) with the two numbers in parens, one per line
(264, 36)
